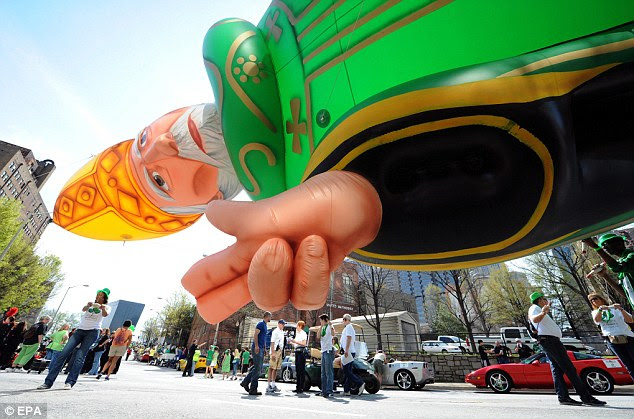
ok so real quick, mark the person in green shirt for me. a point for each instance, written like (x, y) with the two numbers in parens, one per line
(58, 340)
(226, 363)
(613, 244)
(210, 361)
(246, 357)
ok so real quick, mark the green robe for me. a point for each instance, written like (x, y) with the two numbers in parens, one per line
(461, 113)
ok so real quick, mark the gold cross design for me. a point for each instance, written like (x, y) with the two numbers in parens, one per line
(273, 28)
(295, 127)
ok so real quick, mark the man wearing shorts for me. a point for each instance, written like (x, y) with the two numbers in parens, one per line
(277, 351)
(120, 342)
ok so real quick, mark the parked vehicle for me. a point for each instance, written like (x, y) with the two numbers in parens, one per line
(508, 335)
(457, 342)
(600, 374)
(438, 347)
(288, 369)
(407, 375)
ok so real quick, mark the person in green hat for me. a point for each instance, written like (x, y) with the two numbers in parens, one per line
(614, 244)
(86, 334)
(549, 338)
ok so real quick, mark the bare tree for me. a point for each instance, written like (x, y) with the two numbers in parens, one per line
(458, 285)
(374, 296)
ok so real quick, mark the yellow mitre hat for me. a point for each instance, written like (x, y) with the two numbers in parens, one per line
(103, 201)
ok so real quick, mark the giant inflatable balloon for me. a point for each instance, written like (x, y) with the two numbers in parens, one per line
(422, 135)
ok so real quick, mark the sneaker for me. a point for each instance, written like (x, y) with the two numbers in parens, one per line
(275, 389)
(107, 379)
(254, 393)
(43, 387)
(68, 386)
(591, 401)
(346, 393)
(319, 393)
(327, 396)
(570, 402)
(270, 390)
(361, 389)
(99, 376)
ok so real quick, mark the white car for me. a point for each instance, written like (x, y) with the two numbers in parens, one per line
(455, 341)
(407, 375)
(438, 347)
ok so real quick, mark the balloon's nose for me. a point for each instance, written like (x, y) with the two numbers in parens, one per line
(163, 147)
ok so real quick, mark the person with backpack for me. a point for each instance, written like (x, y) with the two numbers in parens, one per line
(86, 334)
(30, 344)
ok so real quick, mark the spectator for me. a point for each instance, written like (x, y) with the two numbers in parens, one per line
(209, 371)
(227, 359)
(6, 325)
(245, 358)
(299, 346)
(235, 363)
(502, 353)
(522, 350)
(122, 339)
(336, 346)
(58, 340)
(250, 382)
(191, 364)
(484, 354)
(98, 350)
(549, 338)
(30, 344)
(613, 321)
(613, 244)
(379, 361)
(11, 341)
(348, 337)
(85, 335)
(277, 351)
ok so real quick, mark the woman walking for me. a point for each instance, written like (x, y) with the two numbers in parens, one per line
(226, 364)
(120, 342)
(209, 370)
(613, 321)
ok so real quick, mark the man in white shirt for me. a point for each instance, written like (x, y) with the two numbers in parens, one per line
(299, 344)
(277, 351)
(348, 337)
(549, 338)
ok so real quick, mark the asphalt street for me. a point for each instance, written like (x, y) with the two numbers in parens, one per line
(141, 391)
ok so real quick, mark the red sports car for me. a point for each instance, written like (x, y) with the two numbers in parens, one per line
(601, 374)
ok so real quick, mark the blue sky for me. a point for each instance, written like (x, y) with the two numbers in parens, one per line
(79, 76)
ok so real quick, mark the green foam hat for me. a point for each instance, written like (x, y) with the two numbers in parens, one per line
(536, 296)
(609, 236)
(105, 291)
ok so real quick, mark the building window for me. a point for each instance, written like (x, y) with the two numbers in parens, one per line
(407, 306)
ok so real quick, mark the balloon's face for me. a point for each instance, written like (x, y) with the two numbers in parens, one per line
(165, 176)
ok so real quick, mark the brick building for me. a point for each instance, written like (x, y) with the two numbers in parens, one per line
(22, 177)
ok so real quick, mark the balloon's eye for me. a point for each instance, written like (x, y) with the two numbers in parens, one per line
(143, 138)
(159, 181)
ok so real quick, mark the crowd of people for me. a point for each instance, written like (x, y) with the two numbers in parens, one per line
(86, 349)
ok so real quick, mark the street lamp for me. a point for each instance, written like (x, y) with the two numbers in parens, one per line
(60, 303)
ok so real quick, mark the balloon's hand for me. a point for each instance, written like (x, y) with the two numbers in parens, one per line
(286, 245)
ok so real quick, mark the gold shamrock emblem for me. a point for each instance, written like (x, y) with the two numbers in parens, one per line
(249, 69)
